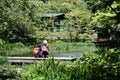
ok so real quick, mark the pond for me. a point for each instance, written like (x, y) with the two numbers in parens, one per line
(72, 54)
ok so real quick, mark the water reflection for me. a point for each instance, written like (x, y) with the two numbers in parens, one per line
(73, 54)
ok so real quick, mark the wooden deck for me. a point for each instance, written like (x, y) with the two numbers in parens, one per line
(19, 60)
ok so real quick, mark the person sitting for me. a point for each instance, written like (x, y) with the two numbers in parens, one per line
(45, 49)
(38, 51)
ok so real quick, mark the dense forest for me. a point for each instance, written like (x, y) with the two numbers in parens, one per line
(23, 20)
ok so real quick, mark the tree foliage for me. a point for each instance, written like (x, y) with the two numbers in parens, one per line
(107, 12)
(20, 22)
(16, 21)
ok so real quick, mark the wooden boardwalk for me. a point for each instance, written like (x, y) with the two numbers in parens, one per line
(19, 60)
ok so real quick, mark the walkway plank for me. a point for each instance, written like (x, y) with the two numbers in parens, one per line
(33, 59)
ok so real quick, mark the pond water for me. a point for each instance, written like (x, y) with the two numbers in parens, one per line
(73, 54)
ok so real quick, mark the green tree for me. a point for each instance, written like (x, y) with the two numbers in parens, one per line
(17, 19)
(106, 13)
(20, 21)
(78, 19)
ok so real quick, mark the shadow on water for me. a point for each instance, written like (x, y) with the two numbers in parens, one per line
(73, 54)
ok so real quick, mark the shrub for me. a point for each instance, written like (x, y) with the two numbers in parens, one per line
(47, 70)
(6, 69)
(105, 66)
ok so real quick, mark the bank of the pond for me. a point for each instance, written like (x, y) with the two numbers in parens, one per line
(67, 47)
(19, 49)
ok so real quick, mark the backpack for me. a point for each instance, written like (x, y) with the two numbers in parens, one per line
(44, 48)
(35, 51)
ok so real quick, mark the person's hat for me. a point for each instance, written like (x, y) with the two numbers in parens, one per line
(45, 41)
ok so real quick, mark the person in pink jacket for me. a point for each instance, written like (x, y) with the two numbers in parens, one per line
(45, 49)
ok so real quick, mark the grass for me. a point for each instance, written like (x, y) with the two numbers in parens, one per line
(16, 49)
(19, 49)
(64, 47)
